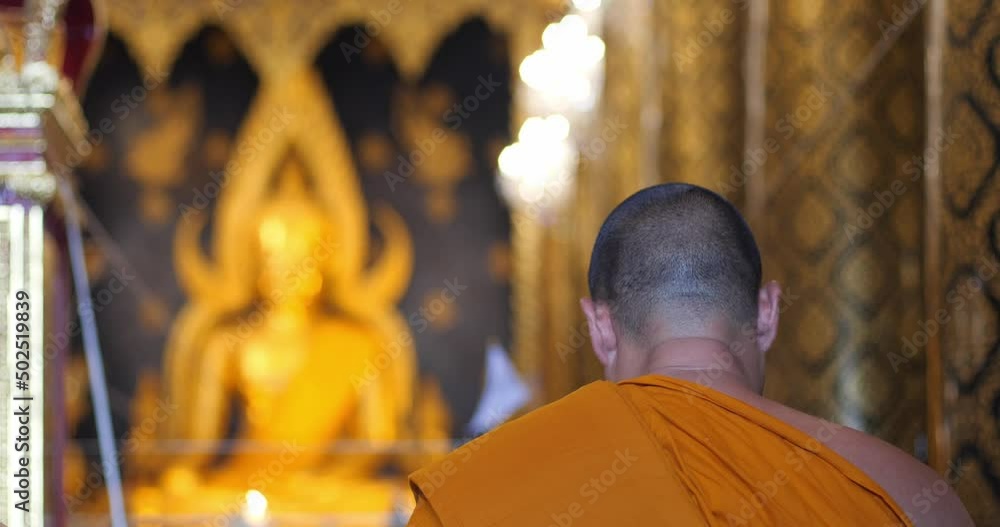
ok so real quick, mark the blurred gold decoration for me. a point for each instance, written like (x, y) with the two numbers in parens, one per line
(158, 101)
(375, 53)
(260, 324)
(75, 384)
(99, 158)
(441, 205)
(431, 415)
(219, 48)
(375, 152)
(76, 400)
(279, 37)
(153, 313)
(157, 156)
(441, 156)
(432, 424)
(436, 99)
(499, 261)
(156, 205)
(440, 313)
(96, 261)
(215, 150)
(147, 414)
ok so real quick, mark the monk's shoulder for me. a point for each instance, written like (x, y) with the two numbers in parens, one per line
(924, 495)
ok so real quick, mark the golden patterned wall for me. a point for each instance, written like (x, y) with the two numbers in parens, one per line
(843, 122)
(964, 246)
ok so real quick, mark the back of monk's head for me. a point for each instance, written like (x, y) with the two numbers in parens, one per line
(679, 253)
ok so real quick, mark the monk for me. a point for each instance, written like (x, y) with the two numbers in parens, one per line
(680, 433)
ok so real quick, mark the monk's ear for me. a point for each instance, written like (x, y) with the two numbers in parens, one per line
(602, 334)
(768, 309)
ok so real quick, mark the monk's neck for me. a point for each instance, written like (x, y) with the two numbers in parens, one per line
(702, 360)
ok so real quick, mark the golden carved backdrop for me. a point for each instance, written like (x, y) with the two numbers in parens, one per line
(229, 164)
(277, 36)
(278, 40)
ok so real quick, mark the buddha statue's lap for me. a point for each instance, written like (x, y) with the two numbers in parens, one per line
(301, 392)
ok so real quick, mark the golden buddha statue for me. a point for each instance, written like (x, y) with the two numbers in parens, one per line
(299, 369)
(289, 374)
(310, 352)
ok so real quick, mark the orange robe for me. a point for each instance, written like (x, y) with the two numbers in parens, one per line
(649, 451)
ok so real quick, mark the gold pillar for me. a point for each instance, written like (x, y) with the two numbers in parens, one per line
(963, 247)
(839, 219)
(527, 235)
(701, 86)
(565, 343)
(622, 154)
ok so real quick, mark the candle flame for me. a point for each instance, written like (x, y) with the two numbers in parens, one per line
(255, 509)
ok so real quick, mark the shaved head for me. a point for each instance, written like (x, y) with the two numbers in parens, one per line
(679, 253)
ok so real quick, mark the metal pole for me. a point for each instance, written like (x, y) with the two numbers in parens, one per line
(95, 361)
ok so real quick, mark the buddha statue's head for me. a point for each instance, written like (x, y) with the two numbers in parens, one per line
(295, 242)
